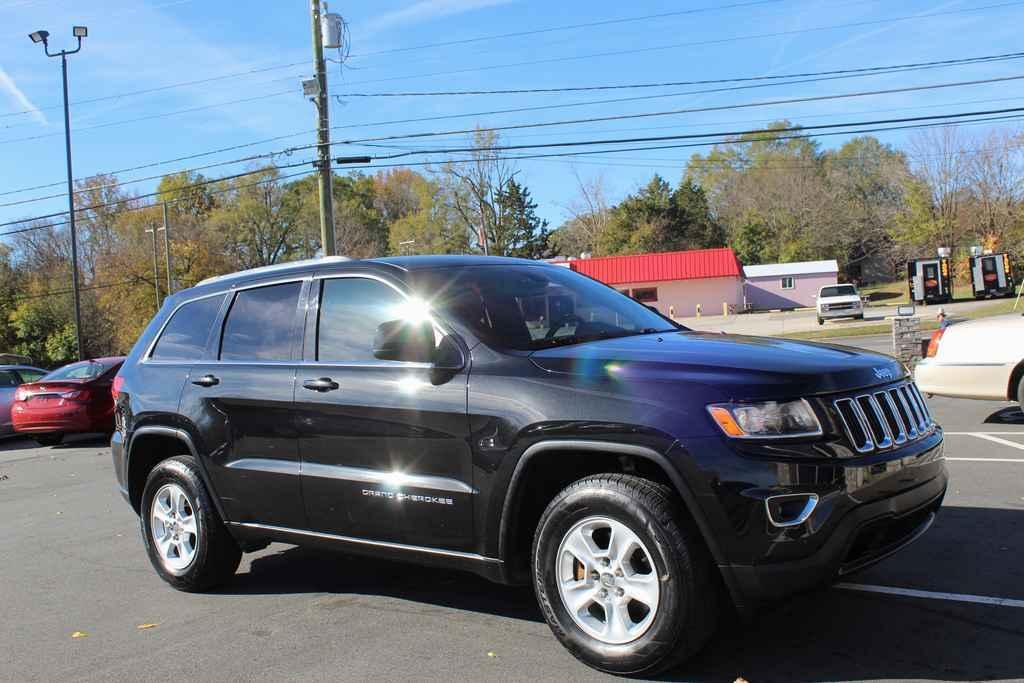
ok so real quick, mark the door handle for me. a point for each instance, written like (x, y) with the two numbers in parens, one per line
(206, 381)
(322, 384)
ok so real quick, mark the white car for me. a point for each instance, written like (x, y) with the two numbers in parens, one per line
(981, 359)
(839, 301)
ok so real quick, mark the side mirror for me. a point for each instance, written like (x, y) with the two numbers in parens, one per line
(414, 342)
(405, 341)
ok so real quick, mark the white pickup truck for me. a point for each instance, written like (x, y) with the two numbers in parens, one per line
(839, 301)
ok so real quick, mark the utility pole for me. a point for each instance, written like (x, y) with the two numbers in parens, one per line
(323, 137)
(78, 32)
(156, 268)
(167, 252)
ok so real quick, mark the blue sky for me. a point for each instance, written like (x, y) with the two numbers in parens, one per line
(137, 45)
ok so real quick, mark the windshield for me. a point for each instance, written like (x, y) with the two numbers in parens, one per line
(534, 307)
(839, 290)
(87, 369)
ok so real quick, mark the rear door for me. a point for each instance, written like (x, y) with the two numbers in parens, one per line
(384, 444)
(238, 402)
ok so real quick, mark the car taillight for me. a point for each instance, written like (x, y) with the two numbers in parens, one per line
(76, 395)
(933, 343)
(115, 387)
(21, 394)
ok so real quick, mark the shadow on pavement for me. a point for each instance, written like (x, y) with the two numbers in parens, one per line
(833, 635)
(16, 443)
(1012, 415)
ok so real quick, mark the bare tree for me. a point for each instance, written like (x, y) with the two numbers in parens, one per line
(588, 217)
(996, 174)
(941, 162)
(475, 187)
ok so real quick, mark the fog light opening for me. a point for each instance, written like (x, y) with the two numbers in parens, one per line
(791, 509)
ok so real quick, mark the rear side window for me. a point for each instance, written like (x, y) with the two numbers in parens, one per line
(8, 379)
(350, 311)
(186, 333)
(30, 375)
(261, 323)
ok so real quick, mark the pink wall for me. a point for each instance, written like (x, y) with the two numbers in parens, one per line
(767, 292)
(682, 296)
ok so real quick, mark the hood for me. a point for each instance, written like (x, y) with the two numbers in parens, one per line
(735, 367)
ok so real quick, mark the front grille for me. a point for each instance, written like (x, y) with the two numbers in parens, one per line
(883, 419)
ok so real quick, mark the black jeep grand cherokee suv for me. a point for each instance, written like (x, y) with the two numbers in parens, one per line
(524, 422)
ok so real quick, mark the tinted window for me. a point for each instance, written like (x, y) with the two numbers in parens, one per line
(533, 307)
(841, 290)
(8, 379)
(86, 369)
(350, 311)
(186, 334)
(30, 375)
(261, 323)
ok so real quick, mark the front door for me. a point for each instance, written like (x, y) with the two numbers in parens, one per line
(239, 403)
(383, 443)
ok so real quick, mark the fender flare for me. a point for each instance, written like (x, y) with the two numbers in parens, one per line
(545, 447)
(185, 438)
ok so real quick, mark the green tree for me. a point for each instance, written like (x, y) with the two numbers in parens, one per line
(518, 230)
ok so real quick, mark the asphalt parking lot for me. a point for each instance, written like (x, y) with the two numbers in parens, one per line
(949, 608)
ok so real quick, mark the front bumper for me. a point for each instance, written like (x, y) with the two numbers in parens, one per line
(867, 508)
(841, 312)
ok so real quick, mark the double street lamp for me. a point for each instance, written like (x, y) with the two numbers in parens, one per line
(78, 32)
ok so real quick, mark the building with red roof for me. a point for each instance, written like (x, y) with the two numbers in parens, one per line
(678, 283)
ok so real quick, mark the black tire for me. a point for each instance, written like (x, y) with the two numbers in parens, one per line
(48, 439)
(1020, 393)
(688, 606)
(821, 321)
(859, 317)
(216, 553)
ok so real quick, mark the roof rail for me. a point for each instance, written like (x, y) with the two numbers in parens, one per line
(276, 268)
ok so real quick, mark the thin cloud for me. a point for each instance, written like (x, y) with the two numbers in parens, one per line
(430, 9)
(8, 86)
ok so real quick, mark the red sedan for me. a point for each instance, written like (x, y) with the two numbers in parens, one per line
(72, 399)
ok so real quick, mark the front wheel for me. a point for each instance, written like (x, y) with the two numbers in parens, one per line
(821, 321)
(622, 580)
(186, 541)
(1020, 393)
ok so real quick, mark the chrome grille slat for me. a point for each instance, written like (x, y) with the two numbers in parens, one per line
(884, 419)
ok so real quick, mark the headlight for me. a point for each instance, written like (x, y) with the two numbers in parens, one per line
(766, 420)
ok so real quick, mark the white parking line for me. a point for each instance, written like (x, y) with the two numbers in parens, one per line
(990, 433)
(932, 595)
(987, 436)
(986, 459)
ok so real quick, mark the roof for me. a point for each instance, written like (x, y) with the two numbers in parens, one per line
(449, 260)
(797, 268)
(669, 265)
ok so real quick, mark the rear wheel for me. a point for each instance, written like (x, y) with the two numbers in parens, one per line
(48, 439)
(187, 542)
(622, 581)
(1020, 393)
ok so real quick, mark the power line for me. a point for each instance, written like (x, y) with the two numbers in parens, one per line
(162, 88)
(895, 68)
(150, 117)
(592, 24)
(510, 127)
(933, 120)
(944, 118)
(698, 43)
(670, 112)
(101, 205)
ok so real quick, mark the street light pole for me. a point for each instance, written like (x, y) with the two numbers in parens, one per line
(42, 36)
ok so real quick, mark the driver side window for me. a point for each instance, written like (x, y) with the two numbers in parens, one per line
(351, 309)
